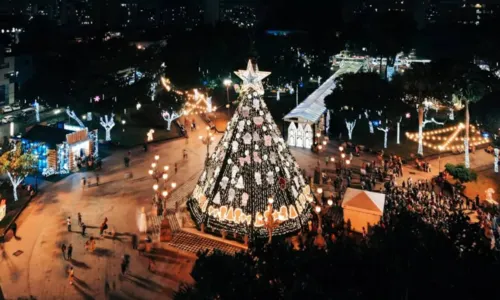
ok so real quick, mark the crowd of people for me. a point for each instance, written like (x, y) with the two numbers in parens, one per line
(430, 200)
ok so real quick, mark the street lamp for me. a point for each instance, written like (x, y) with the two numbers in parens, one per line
(341, 148)
(207, 140)
(227, 84)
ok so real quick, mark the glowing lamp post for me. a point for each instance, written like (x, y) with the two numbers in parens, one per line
(208, 139)
(227, 84)
(319, 241)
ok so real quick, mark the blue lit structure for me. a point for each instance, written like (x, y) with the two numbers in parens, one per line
(39, 149)
(58, 149)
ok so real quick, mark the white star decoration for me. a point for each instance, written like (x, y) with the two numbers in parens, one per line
(252, 78)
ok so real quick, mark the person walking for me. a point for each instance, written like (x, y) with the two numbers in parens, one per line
(97, 179)
(70, 251)
(68, 222)
(84, 227)
(124, 264)
(13, 227)
(80, 219)
(71, 276)
(151, 265)
(63, 249)
(84, 182)
(175, 168)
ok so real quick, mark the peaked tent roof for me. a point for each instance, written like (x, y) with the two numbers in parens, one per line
(311, 109)
(364, 200)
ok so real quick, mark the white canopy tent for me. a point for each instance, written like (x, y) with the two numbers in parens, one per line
(362, 208)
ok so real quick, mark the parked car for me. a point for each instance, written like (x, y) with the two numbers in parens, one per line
(7, 109)
(16, 106)
(7, 119)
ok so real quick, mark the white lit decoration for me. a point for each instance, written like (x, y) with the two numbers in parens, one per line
(447, 139)
(37, 110)
(169, 117)
(3, 209)
(150, 135)
(73, 116)
(108, 124)
(385, 130)
(350, 127)
(152, 90)
(209, 104)
(496, 152)
(252, 79)
(250, 164)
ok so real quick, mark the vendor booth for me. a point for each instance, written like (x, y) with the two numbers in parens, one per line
(58, 149)
(362, 208)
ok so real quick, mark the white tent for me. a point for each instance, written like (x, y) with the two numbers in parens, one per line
(362, 208)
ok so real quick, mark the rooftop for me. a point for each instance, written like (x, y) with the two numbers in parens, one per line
(311, 109)
(49, 135)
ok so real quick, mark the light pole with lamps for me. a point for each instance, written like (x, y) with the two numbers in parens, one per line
(207, 140)
(319, 240)
(227, 84)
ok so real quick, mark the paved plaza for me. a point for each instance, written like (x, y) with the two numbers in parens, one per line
(40, 269)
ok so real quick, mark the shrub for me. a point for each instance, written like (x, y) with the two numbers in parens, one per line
(460, 172)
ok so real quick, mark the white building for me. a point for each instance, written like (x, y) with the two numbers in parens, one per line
(311, 116)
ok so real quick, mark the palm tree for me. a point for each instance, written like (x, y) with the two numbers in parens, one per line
(471, 85)
(418, 88)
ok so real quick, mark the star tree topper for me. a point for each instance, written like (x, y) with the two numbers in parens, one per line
(252, 78)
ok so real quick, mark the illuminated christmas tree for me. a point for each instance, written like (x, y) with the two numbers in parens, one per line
(250, 171)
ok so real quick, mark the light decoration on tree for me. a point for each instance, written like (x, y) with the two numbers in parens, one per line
(386, 131)
(3, 209)
(73, 116)
(152, 90)
(447, 139)
(108, 124)
(97, 99)
(37, 110)
(250, 164)
(496, 151)
(350, 127)
(169, 117)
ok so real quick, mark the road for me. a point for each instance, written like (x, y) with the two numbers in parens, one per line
(40, 269)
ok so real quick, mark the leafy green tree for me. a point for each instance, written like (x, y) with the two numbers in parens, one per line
(461, 172)
(17, 165)
(405, 254)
